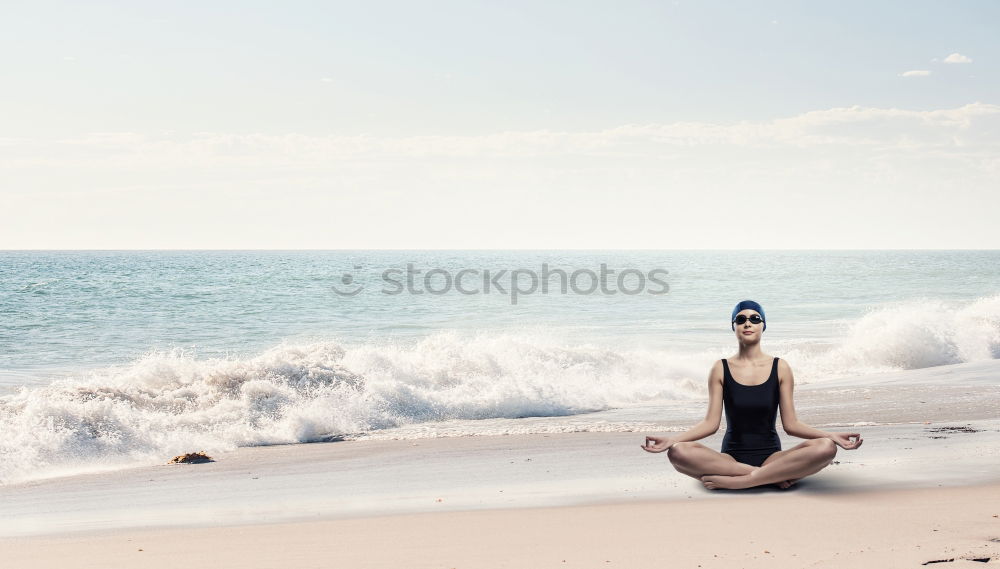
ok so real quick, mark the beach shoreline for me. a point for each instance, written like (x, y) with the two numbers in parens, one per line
(358, 479)
(923, 487)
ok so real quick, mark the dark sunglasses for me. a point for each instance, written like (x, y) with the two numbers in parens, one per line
(754, 319)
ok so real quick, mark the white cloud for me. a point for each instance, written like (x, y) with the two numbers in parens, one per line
(957, 58)
(916, 73)
(294, 190)
(844, 126)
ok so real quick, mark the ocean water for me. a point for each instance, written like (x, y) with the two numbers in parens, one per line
(117, 358)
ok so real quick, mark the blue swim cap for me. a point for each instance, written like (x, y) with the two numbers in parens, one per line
(745, 305)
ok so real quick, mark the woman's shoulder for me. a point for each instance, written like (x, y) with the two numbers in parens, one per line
(717, 371)
(784, 369)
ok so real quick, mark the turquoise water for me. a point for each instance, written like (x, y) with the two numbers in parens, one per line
(72, 310)
(111, 358)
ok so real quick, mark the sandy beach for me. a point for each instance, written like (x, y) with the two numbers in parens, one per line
(890, 528)
(922, 488)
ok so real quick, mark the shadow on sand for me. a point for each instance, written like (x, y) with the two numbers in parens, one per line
(808, 485)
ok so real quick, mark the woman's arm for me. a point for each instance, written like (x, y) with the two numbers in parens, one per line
(790, 422)
(706, 427)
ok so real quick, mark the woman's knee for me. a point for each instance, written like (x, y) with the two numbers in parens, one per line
(680, 452)
(825, 448)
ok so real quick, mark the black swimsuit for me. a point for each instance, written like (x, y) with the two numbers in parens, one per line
(750, 414)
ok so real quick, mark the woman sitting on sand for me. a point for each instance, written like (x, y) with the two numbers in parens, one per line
(751, 450)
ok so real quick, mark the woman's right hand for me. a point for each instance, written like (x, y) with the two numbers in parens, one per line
(658, 444)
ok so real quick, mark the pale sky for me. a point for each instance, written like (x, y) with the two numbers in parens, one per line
(507, 125)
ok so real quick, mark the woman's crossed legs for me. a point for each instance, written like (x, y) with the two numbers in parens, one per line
(719, 470)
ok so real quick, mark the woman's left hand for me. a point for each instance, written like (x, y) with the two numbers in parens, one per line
(844, 441)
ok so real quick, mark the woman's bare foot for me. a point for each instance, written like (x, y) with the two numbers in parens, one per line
(787, 483)
(739, 482)
(728, 482)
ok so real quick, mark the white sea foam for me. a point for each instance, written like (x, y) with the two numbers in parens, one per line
(168, 403)
(906, 335)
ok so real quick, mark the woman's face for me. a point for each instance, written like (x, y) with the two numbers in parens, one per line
(748, 332)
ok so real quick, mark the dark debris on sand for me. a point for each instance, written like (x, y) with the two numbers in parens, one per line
(191, 458)
(979, 559)
(963, 429)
